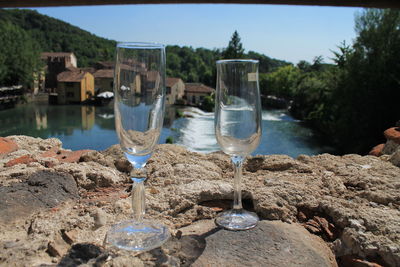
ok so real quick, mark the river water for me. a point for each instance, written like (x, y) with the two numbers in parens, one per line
(89, 127)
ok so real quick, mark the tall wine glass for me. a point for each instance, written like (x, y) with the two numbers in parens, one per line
(139, 101)
(237, 128)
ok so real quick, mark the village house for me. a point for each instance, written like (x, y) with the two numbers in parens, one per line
(103, 80)
(57, 62)
(175, 90)
(195, 93)
(74, 86)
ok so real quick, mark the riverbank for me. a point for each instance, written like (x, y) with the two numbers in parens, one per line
(60, 201)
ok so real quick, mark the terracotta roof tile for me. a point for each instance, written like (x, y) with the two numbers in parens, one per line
(170, 81)
(104, 73)
(198, 88)
(71, 76)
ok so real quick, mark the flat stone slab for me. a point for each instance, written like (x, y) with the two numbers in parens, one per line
(42, 189)
(271, 243)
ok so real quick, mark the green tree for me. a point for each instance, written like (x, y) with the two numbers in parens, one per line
(19, 56)
(235, 48)
(281, 83)
(369, 87)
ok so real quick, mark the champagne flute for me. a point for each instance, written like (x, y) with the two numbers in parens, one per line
(237, 129)
(139, 101)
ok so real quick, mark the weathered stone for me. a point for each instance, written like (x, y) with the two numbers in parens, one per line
(21, 160)
(64, 155)
(351, 201)
(390, 147)
(395, 158)
(100, 218)
(58, 247)
(377, 150)
(98, 157)
(393, 134)
(120, 161)
(35, 144)
(90, 175)
(7, 146)
(269, 244)
(70, 236)
(42, 189)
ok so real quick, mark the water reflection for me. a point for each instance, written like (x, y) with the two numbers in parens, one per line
(281, 134)
(89, 127)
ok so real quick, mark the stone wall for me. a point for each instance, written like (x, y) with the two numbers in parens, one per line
(322, 210)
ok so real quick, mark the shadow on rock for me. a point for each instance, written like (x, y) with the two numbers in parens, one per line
(179, 250)
(83, 253)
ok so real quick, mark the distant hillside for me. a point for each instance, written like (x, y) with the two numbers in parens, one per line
(53, 35)
(26, 33)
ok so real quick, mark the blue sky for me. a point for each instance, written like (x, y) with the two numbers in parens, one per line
(289, 33)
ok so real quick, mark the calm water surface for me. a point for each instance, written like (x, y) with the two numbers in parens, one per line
(89, 127)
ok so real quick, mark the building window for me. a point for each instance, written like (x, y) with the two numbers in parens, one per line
(70, 94)
(201, 98)
(168, 90)
(69, 84)
(193, 99)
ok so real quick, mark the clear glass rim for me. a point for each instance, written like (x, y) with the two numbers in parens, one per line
(225, 61)
(140, 45)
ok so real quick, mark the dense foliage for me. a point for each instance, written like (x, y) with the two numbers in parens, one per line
(198, 65)
(54, 35)
(19, 56)
(39, 33)
(353, 101)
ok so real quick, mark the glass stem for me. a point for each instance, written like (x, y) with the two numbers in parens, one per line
(237, 190)
(138, 198)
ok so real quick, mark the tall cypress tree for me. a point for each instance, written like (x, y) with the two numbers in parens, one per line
(235, 48)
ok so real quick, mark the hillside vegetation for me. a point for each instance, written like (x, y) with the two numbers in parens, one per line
(26, 33)
(353, 101)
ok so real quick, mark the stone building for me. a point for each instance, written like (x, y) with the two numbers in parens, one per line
(74, 87)
(103, 80)
(195, 93)
(57, 62)
(175, 90)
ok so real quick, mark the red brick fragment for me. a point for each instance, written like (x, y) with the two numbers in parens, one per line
(21, 160)
(351, 261)
(301, 216)
(393, 134)
(63, 155)
(7, 146)
(325, 226)
(51, 153)
(377, 150)
(72, 156)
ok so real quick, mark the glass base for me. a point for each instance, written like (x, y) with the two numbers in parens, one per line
(239, 219)
(137, 236)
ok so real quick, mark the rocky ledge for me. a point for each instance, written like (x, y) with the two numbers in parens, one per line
(324, 210)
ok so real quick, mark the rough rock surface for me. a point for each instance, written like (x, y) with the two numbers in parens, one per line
(42, 189)
(352, 202)
(271, 243)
